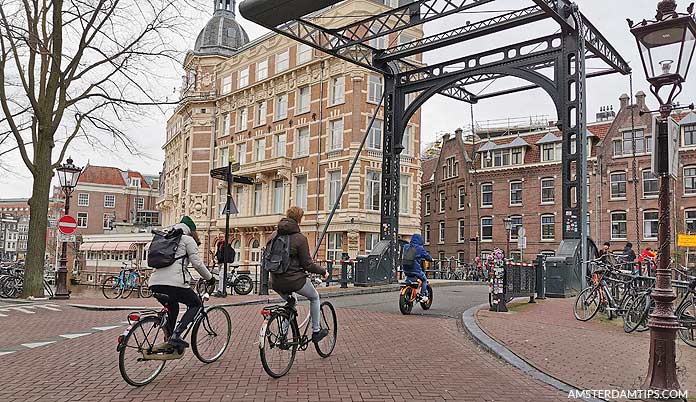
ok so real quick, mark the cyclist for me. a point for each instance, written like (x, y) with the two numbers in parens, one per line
(173, 281)
(412, 264)
(294, 279)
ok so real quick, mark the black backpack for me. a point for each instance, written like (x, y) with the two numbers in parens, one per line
(276, 256)
(409, 257)
(162, 252)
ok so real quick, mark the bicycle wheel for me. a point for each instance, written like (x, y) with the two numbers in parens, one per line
(586, 304)
(277, 346)
(426, 306)
(328, 321)
(687, 319)
(130, 286)
(243, 285)
(211, 334)
(134, 368)
(636, 313)
(144, 291)
(111, 288)
(405, 303)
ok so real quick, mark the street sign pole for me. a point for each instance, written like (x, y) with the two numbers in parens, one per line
(227, 223)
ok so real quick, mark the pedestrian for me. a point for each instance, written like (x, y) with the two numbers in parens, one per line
(224, 252)
(647, 258)
(628, 256)
(603, 254)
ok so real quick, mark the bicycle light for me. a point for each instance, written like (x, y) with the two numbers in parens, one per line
(133, 317)
(266, 313)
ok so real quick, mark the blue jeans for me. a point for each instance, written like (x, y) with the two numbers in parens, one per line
(420, 275)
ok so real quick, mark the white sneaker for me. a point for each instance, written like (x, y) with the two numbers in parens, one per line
(424, 299)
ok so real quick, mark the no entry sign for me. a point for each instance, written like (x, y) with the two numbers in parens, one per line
(67, 225)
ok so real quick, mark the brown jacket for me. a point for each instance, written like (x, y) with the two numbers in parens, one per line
(294, 278)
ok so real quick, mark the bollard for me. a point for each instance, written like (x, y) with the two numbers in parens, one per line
(329, 270)
(344, 270)
(264, 282)
(540, 270)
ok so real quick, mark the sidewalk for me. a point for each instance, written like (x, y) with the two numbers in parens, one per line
(596, 354)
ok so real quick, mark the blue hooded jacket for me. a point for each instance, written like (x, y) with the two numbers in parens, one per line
(417, 242)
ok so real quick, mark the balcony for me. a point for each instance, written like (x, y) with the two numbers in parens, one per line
(267, 166)
(250, 221)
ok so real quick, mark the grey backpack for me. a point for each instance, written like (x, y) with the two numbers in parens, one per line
(276, 256)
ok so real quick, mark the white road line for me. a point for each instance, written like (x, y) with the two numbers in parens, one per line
(24, 309)
(105, 328)
(3, 315)
(37, 344)
(48, 307)
(6, 353)
(73, 336)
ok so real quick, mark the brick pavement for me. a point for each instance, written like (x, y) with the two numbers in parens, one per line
(596, 354)
(369, 364)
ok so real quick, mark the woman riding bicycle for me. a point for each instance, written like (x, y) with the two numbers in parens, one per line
(294, 279)
(173, 281)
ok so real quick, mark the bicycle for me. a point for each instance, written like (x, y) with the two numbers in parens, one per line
(123, 284)
(598, 296)
(211, 327)
(240, 281)
(280, 333)
(409, 294)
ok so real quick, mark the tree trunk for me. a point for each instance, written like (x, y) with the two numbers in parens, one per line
(38, 206)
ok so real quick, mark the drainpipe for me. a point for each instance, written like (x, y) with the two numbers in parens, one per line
(321, 132)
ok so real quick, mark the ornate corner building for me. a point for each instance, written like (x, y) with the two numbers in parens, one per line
(293, 118)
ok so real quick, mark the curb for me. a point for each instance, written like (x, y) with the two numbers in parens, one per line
(499, 350)
(327, 295)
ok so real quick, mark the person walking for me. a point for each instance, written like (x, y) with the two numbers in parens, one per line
(224, 252)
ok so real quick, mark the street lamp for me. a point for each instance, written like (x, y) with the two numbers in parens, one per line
(68, 176)
(666, 47)
(508, 228)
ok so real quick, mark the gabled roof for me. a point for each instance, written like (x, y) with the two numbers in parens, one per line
(517, 142)
(102, 175)
(488, 146)
(428, 166)
(687, 119)
(549, 138)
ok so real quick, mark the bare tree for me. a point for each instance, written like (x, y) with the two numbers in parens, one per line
(76, 69)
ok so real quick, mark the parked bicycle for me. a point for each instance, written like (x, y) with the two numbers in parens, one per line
(127, 281)
(240, 281)
(140, 362)
(280, 337)
(12, 283)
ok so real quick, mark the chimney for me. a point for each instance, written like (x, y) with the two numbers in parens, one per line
(458, 132)
(624, 101)
(640, 100)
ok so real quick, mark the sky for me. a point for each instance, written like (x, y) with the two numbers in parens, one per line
(438, 115)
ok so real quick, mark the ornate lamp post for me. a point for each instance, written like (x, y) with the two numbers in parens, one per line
(666, 47)
(68, 175)
(508, 228)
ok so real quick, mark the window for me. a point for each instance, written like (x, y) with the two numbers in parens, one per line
(690, 180)
(487, 195)
(462, 197)
(371, 240)
(82, 219)
(106, 221)
(650, 223)
(486, 229)
(241, 153)
(461, 230)
(451, 168)
(83, 200)
(334, 247)
(237, 246)
(337, 90)
(391, 3)
(650, 187)
(255, 250)
(374, 137)
(515, 193)
(426, 233)
(303, 100)
(517, 156)
(304, 53)
(374, 88)
(548, 192)
(262, 70)
(441, 232)
(516, 255)
(379, 42)
(461, 257)
(618, 185)
(505, 157)
(260, 149)
(442, 200)
(407, 141)
(427, 204)
(258, 200)
(690, 221)
(405, 194)
(139, 203)
(373, 192)
(280, 144)
(302, 146)
(109, 201)
(239, 200)
(226, 84)
(260, 116)
(551, 152)
(134, 182)
(243, 78)
(624, 145)
(281, 106)
(618, 225)
(282, 62)
(224, 125)
(278, 196)
(516, 225)
(334, 188)
(548, 227)
(301, 191)
(242, 117)
(690, 135)
(336, 135)
(222, 200)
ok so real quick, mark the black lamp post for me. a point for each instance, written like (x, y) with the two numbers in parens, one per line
(508, 228)
(666, 47)
(68, 175)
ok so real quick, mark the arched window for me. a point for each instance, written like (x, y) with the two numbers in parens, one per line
(237, 246)
(255, 250)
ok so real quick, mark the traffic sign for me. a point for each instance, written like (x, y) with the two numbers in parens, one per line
(66, 238)
(230, 208)
(522, 243)
(67, 225)
(686, 240)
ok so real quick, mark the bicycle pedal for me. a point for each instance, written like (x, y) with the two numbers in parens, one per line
(170, 355)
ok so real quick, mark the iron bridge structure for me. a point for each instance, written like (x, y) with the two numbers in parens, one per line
(564, 52)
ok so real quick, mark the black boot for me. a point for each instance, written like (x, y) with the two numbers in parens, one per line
(176, 341)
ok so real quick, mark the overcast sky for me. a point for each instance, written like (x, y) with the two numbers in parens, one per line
(439, 114)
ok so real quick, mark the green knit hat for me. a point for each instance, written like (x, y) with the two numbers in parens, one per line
(188, 222)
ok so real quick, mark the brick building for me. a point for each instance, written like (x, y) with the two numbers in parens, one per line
(16, 240)
(293, 118)
(472, 182)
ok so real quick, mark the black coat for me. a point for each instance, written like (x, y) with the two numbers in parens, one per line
(220, 255)
(301, 262)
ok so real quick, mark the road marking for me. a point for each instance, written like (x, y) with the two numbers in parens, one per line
(105, 328)
(24, 309)
(36, 344)
(6, 353)
(3, 315)
(51, 307)
(73, 336)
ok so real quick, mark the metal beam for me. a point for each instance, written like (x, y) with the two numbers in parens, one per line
(457, 92)
(471, 31)
(552, 11)
(600, 47)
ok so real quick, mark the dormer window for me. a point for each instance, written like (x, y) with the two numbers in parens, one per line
(134, 182)
(503, 157)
